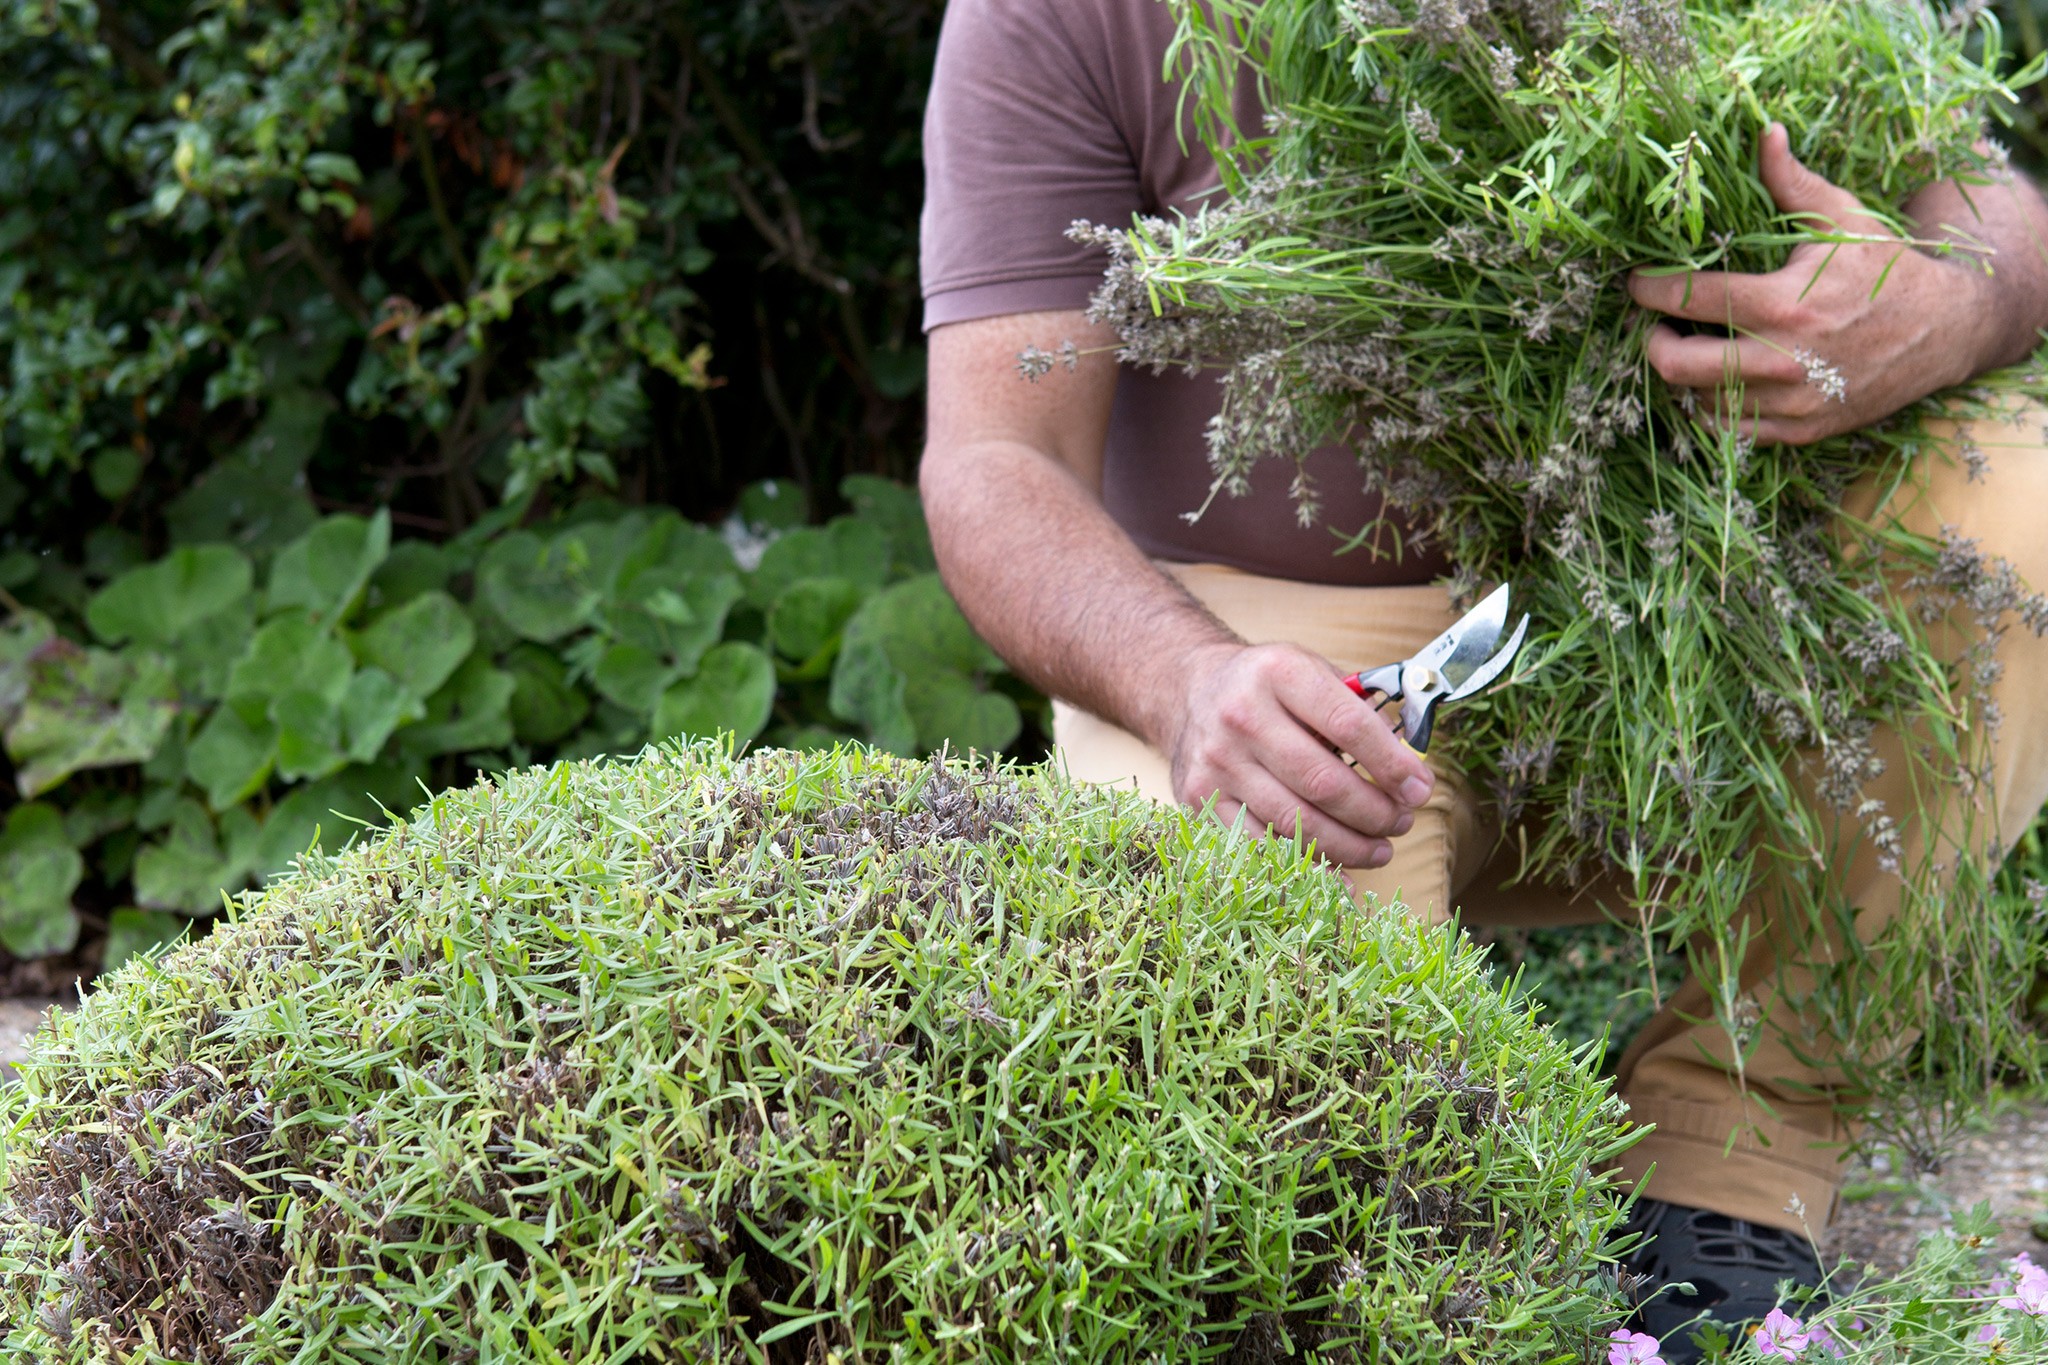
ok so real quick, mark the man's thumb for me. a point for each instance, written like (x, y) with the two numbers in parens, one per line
(1797, 190)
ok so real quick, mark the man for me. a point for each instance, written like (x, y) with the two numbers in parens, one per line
(1201, 661)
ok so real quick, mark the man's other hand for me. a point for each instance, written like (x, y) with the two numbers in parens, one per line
(1879, 322)
(1258, 730)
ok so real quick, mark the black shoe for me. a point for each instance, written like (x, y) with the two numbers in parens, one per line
(1734, 1269)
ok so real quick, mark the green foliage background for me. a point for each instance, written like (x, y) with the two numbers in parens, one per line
(396, 392)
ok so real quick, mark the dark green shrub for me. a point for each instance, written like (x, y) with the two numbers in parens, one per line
(388, 342)
(806, 1058)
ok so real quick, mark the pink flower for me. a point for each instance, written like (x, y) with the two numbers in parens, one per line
(1987, 1334)
(1822, 1338)
(1632, 1348)
(1780, 1337)
(2030, 1288)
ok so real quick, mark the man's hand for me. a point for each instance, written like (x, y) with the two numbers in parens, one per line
(1892, 323)
(1012, 489)
(1258, 728)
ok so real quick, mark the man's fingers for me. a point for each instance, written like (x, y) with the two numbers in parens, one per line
(1821, 204)
(1268, 803)
(1322, 780)
(1721, 297)
(1326, 706)
(1697, 362)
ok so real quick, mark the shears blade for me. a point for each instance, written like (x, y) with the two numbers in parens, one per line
(1467, 646)
(1494, 666)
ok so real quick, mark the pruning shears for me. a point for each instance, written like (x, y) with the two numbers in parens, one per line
(1450, 668)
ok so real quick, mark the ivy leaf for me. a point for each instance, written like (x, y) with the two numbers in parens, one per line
(849, 548)
(420, 644)
(629, 676)
(545, 705)
(80, 708)
(471, 711)
(897, 510)
(231, 756)
(206, 651)
(327, 811)
(773, 505)
(291, 653)
(733, 691)
(374, 706)
(910, 670)
(192, 865)
(256, 496)
(324, 570)
(309, 735)
(537, 586)
(679, 620)
(39, 869)
(157, 603)
(411, 568)
(807, 617)
(666, 552)
(131, 933)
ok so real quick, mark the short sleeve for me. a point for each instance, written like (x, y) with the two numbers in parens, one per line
(1019, 141)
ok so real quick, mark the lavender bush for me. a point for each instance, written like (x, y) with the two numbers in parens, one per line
(1422, 256)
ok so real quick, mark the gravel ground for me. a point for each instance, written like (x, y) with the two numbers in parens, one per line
(18, 1019)
(1885, 1213)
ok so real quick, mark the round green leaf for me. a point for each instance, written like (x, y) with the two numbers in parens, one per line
(849, 548)
(911, 671)
(896, 509)
(808, 615)
(732, 692)
(630, 676)
(193, 864)
(324, 569)
(545, 704)
(420, 644)
(374, 707)
(773, 505)
(309, 735)
(84, 708)
(39, 869)
(291, 653)
(156, 603)
(471, 711)
(537, 586)
(231, 756)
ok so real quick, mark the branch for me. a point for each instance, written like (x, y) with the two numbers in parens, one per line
(429, 171)
(330, 276)
(133, 56)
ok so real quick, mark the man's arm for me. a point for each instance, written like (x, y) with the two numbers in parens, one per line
(1893, 322)
(1011, 481)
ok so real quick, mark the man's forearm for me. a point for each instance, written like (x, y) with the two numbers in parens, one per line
(1056, 587)
(2009, 217)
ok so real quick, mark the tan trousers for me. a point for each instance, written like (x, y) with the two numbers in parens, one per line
(1743, 1151)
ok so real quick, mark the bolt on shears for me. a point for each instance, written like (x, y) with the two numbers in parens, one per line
(1450, 668)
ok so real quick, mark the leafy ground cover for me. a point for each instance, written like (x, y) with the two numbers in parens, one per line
(202, 717)
(806, 1057)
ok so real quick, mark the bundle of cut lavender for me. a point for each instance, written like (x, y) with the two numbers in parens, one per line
(1423, 256)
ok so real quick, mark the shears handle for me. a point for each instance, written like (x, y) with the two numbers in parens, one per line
(1385, 680)
(1418, 710)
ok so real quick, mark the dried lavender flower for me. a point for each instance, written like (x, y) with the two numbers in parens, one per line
(1823, 376)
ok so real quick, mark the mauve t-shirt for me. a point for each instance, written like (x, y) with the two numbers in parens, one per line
(1045, 111)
